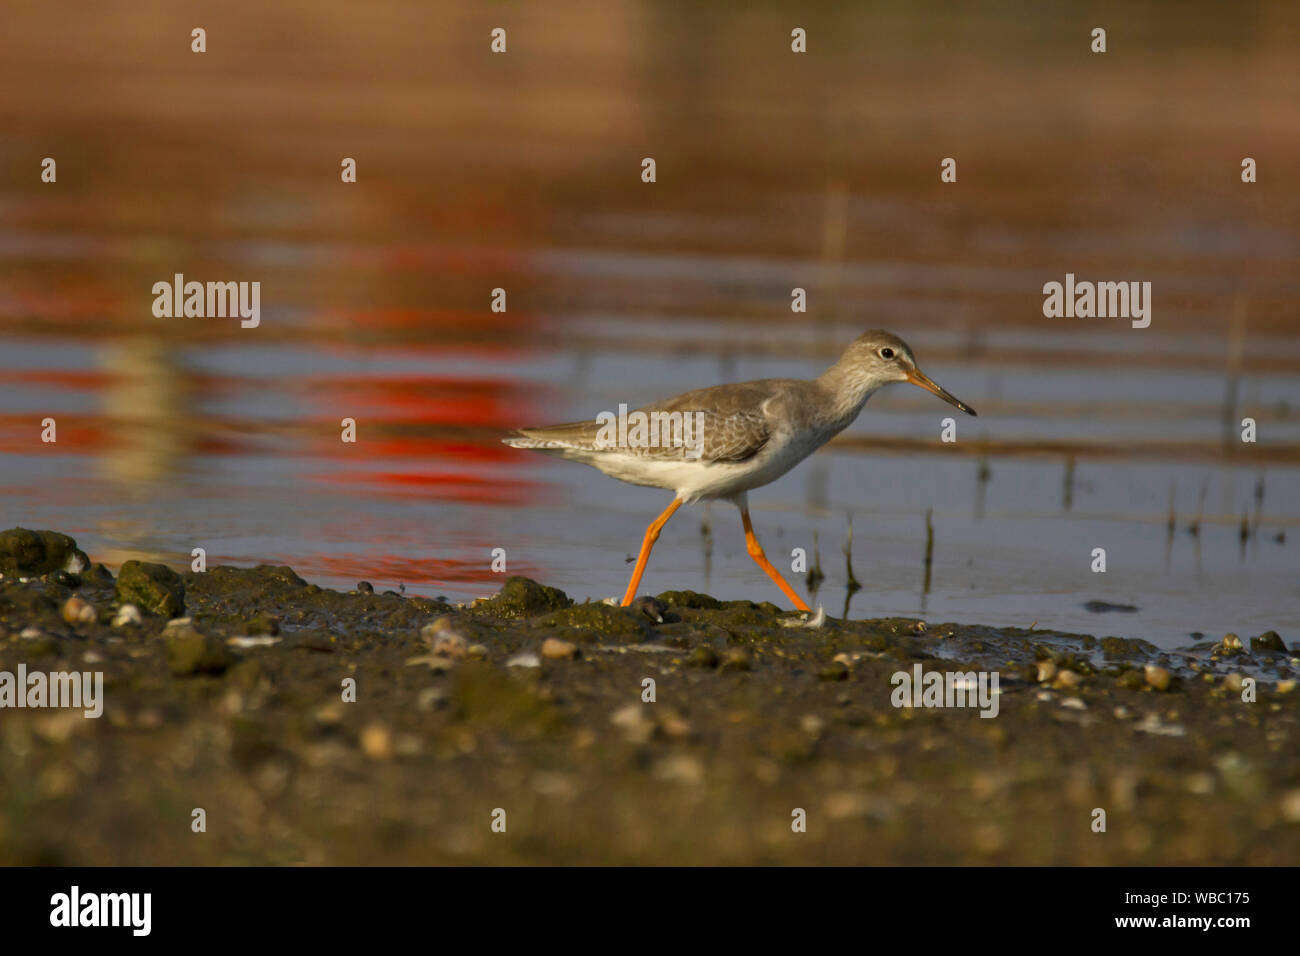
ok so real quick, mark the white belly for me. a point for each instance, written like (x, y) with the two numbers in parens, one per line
(697, 480)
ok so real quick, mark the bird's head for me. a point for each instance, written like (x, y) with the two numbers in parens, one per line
(882, 358)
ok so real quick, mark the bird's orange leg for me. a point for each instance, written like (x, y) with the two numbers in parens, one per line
(651, 536)
(756, 552)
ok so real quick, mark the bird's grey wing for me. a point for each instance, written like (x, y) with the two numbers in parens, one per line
(728, 423)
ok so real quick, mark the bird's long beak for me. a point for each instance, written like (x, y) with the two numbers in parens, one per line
(917, 377)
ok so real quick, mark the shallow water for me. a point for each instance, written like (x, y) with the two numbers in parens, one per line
(774, 172)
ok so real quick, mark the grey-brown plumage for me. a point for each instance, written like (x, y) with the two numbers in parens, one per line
(745, 434)
(732, 424)
(739, 437)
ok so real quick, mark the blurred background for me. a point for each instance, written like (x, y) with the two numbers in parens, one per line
(775, 170)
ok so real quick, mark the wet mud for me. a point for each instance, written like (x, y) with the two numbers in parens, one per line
(322, 727)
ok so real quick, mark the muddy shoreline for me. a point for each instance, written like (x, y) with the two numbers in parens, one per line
(224, 691)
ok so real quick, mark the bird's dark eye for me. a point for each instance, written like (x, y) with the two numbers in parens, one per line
(886, 353)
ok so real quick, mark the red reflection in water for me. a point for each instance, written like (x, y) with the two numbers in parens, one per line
(433, 399)
(82, 379)
(381, 569)
(461, 488)
(426, 417)
(428, 319)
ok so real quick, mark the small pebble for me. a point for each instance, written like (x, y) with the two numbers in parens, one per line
(327, 715)
(365, 587)
(77, 610)
(738, 659)
(430, 697)
(377, 742)
(1046, 671)
(245, 641)
(1066, 680)
(812, 725)
(524, 660)
(447, 627)
(126, 614)
(557, 650)
(450, 644)
(846, 805)
(675, 725)
(1291, 806)
(634, 722)
(685, 769)
(1158, 678)
(1152, 724)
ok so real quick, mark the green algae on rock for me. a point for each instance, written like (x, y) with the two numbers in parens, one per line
(523, 597)
(597, 620)
(691, 599)
(155, 588)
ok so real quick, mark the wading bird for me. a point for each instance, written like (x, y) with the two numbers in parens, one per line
(734, 438)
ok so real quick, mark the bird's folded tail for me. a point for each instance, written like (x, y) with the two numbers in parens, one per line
(575, 435)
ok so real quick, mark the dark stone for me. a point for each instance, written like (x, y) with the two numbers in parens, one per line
(653, 608)
(1102, 607)
(523, 597)
(1268, 641)
(34, 553)
(585, 621)
(154, 588)
(690, 599)
(189, 652)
